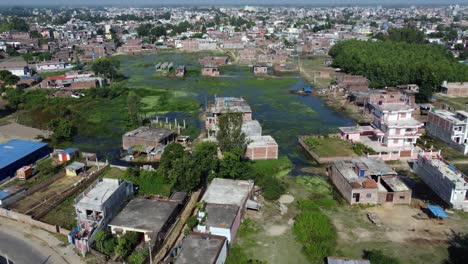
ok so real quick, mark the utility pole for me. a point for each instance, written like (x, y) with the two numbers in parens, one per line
(149, 249)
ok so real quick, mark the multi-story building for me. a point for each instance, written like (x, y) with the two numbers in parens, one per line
(395, 126)
(368, 181)
(444, 179)
(96, 206)
(452, 128)
(223, 105)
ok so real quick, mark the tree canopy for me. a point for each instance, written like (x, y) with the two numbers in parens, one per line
(230, 136)
(107, 67)
(8, 78)
(389, 63)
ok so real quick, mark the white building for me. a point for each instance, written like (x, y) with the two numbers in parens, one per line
(397, 126)
(444, 179)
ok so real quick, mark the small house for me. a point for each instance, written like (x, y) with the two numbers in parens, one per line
(67, 154)
(180, 71)
(210, 70)
(75, 169)
(24, 172)
(260, 69)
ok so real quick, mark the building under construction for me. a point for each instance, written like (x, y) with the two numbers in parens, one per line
(147, 138)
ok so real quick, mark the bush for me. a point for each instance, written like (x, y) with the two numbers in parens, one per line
(192, 221)
(378, 257)
(272, 187)
(126, 243)
(316, 233)
(138, 257)
(105, 242)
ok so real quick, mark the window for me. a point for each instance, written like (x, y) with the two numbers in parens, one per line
(395, 141)
(402, 197)
(403, 115)
(369, 195)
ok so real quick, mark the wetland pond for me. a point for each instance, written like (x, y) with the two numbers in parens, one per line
(282, 115)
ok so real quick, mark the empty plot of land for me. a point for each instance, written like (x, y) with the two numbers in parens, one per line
(400, 235)
(45, 195)
(12, 130)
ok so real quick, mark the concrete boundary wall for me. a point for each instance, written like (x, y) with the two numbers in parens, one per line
(27, 219)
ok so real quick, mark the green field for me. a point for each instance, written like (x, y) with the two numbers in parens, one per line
(457, 103)
(330, 146)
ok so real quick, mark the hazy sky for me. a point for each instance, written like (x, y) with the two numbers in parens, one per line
(231, 2)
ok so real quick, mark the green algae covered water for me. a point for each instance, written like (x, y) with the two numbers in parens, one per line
(282, 115)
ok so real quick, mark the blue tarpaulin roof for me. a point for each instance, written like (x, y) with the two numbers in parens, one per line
(437, 211)
(16, 149)
(307, 89)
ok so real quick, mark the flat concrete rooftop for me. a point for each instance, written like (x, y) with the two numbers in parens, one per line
(452, 117)
(145, 215)
(226, 191)
(221, 215)
(200, 249)
(150, 133)
(393, 107)
(260, 141)
(372, 166)
(449, 171)
(98, 193)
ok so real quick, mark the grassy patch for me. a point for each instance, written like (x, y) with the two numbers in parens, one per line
(280, 167)
(329, 146)
(447, 152)
(457, 103)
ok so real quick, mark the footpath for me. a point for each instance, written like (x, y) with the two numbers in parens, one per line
(42, 241)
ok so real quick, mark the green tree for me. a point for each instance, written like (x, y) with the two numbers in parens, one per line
(107, 67)
(230, 136)
(8, 78)
(62, 128)
(171, 153)
(232, 166)
(205, 155)
(144, 30)
(184, 175)
(406, 34)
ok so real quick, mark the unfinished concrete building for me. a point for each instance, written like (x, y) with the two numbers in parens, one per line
(261, 148)
(96, 206)
(456, 89)
(148, 138)
(445, 180)
(223, 105)
(452, 128)
(368, 181)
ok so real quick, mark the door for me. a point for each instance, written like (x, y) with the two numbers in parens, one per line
(356, 197)
(389, 197)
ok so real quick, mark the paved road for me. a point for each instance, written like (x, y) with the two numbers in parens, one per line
(19, 250)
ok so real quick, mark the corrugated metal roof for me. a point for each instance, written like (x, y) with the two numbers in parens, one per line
(16, 149)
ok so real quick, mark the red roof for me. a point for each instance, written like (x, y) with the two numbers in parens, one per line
(369, 184)
(56, 78)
